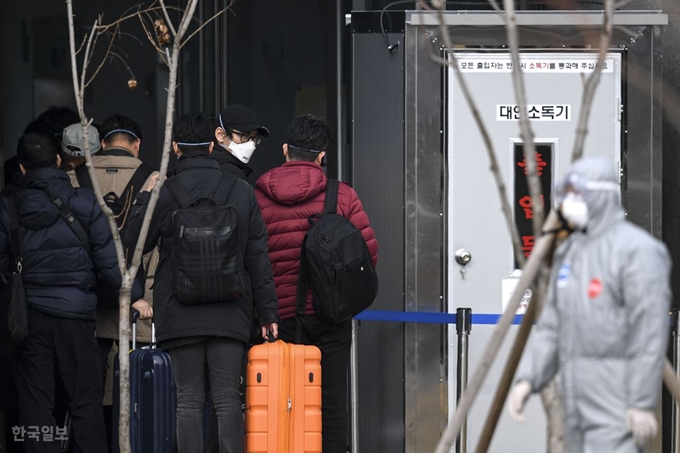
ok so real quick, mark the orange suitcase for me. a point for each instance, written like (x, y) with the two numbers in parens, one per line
(283, 399)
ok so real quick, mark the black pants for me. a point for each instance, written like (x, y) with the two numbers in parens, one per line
(334, 341)
(220, 359)
(9, 410)
(70, 347)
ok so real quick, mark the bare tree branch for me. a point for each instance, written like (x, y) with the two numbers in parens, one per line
(153, 41)
(507, 377)
(536, 261)
(129, 35)
(170, 110)
(127, 274)
(495, 6)
(486, 137)
(82, 43)
(622, 4)
(103, 28)
(127, 281)
(167, 19)
(114, 57)
(86, 60)
(215, 16)
(108, 50)
(526, 131)
(593, 80)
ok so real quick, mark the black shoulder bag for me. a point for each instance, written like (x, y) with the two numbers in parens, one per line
(13, 308)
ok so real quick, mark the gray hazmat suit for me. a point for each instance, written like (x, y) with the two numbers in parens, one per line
(605, 322)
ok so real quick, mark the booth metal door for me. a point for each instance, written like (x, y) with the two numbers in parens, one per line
(554, 85)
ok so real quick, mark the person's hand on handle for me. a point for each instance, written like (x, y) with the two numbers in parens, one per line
(518, 398)
(273, 328)
(144, 309)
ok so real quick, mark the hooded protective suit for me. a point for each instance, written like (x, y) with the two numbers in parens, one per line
(605, 322)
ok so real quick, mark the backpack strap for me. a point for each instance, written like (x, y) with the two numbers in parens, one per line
(227, 183)
(178, 192)
(301, 294)
(83, 177)
(73, 223)
(17, 250)
(138, 179)
(330, 203)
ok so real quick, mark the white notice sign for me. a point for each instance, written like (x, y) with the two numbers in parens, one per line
(508, 286)
(535, 64)
(535, 112)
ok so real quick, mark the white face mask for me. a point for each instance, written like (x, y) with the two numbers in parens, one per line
(575, 210)
(242, 151)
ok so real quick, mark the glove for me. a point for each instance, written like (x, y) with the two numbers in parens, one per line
(642, 424)
(518, 397)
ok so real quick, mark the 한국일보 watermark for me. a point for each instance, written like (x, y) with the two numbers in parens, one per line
(40, 433)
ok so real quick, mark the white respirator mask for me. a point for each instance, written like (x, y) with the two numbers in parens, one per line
(242, 151)
(575, 210)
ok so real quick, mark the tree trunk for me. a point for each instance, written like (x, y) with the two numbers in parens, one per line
(552, 403)
(124, 363)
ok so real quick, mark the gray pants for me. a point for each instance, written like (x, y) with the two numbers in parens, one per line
(220, 359)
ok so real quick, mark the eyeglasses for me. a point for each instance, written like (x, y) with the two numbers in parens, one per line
(247, 137)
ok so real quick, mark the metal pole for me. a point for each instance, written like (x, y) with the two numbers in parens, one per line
(354, 390)
(201, 62)
(675, 319)
(217, 40)
(542, 249)
(463, 328)
(224, 21)
(338, 87)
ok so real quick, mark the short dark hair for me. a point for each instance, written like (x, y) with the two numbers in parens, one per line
(52, 123)
(193, 128)
(36, 151)
(306, 136)
(12, 171)
(119, 123)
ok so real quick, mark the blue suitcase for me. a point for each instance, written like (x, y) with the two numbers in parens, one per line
(153, 398)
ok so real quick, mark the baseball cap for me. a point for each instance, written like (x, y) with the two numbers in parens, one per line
(241, 118)
(72, 140)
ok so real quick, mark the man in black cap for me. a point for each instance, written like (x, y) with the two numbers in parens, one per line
(237, 134)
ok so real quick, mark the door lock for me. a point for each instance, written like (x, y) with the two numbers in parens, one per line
(463, 257)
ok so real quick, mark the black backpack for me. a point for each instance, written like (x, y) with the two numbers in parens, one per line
(336, 262)
(206, 260)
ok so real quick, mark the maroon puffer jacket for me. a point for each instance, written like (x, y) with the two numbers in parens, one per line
(288, 196)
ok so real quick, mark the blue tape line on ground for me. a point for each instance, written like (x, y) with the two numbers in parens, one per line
(428, 318)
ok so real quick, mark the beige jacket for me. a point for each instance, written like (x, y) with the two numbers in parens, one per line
(114, 173)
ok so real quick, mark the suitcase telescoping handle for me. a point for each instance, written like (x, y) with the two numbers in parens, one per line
(135, 318)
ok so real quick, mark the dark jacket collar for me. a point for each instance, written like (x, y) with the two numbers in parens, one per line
(34, 206)
(42, 178)
(202, 161)
(224, 157)
(116, 151)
